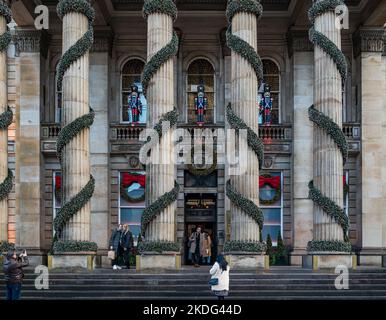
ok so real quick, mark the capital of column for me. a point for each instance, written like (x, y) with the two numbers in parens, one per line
(369, 40)
(298, 41)
(31, 40)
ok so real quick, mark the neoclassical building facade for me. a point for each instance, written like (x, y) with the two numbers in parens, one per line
(124, 42)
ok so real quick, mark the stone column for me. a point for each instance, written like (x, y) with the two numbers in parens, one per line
(244, 99)
(328, 163)
(76, 154)
(99, 137)
(160, 100)
(301, 51)
(369, 44)
(31, 50)
(3, 135)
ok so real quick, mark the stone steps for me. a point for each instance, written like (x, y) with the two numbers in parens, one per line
(276, 283)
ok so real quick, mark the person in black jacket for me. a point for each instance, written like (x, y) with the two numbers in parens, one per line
(13, 272)
(127, 243)
(115, 244)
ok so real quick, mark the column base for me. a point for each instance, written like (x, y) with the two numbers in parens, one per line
(154, 260)
(329, 260)
(372, 258)
(296, 257)
(247, 261)
(84, 260)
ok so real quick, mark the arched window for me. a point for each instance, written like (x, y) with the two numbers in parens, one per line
(131, 74)
(271, 76)
(201, 72)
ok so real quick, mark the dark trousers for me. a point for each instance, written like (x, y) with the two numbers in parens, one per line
(118, 253)
(13, 291)
(196, 258)
(126, 258)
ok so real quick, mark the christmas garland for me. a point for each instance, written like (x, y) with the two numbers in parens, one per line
(275, 197)
(334, 246)
(74, 246)
(248, 206)
(326, 123)
(68, 132)
(331, 128)
(158, 246)
(245, 50)
(203, 172)
(158, 205)
(245, 246)
(152, 66)
(6, 246)
(7, 116)
(6, 37)
(168, 51)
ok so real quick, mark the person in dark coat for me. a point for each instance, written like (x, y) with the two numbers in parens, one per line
(13, 272)
(127, 243)
(115, 244)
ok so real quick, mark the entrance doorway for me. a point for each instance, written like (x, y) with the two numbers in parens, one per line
(200, 211)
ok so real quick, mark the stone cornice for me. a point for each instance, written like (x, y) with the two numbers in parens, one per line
(298, 40)
(31, 40)
(369, 40)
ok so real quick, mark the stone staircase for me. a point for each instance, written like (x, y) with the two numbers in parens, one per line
(285, 283)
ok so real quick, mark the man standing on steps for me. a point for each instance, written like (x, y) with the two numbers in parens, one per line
(127, 243)
(13, 272)
(115, 244)
(196, 243)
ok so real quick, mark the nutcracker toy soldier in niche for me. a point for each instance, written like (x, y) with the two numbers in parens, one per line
(266, 104)
(135, 105)
(200, 103)
(259, 105)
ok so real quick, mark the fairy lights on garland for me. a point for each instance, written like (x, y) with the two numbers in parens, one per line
(152, 66)
(68, 132)
(7, 116)
(246, 51)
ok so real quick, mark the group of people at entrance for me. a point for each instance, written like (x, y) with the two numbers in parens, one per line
(200, 247)
(121, 244)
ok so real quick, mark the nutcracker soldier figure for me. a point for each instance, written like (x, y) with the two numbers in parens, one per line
(259, 105)
(200, 103)
(135, 105)
(266, 104)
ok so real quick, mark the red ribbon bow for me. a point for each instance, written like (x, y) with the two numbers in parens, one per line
(274, 182)
(58, 182)
(128, 179)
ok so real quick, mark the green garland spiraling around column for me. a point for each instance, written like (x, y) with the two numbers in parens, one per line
(331, 128)
(239, 45)
(253, 140)
(169, 50)
(68, 132)
(7, 116)
(245, 50)
(152, 66)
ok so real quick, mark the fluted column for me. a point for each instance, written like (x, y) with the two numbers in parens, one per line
(3, 134)
(328, 163)
(76, 154)
(243, 99)
(160, 100)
